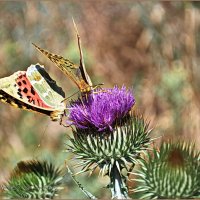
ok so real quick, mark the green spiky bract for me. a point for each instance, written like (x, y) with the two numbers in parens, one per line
(172, 172)
(120, 147)
(34, 180)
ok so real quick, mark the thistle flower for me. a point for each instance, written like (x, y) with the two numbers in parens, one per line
(34, 180)
(120, 147)
(108, 135)
(123, 134)
(173, 172)
(102, 109)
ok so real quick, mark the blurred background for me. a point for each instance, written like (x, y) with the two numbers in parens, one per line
(152, 47)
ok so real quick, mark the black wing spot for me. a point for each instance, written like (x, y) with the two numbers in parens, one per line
(19, 90)
(32, 91)
(55, 59)
(20, 95)
(29, 99)
(25, 90)
(24, 82)
(19, 83)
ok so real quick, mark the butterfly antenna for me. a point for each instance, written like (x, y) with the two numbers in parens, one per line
(65, 99)
(82, 63)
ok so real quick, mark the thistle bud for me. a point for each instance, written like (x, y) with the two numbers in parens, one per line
(172, 172)
(34, 180)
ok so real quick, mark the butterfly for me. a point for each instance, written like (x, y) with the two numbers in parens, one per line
(77, 73)
(33, 90)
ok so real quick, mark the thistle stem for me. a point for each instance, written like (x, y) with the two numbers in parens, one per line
(117, 184)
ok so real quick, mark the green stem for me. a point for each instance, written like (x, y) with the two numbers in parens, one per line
(117, 185)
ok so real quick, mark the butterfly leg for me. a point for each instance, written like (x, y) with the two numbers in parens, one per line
(61, 119)
(100, 89)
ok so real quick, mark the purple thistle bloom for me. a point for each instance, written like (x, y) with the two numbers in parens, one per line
(102, 109)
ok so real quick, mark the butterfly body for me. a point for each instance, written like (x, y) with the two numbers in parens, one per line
(33, 90)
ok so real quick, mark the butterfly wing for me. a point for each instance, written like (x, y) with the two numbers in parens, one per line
(18, 91)
(74, 72)
(17, 103)
(45, 86)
